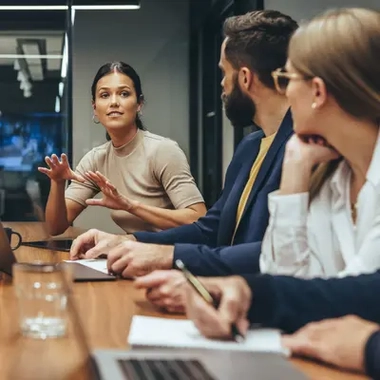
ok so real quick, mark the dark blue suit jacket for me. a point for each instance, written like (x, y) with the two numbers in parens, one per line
(289, 303)
(205, 246)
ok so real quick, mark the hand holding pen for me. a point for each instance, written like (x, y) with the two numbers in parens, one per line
(217, 306)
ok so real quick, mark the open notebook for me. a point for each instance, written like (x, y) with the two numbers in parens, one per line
(91, 270)
(96, 264)
(161, 332)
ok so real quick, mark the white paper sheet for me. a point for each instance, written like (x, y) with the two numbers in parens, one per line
(161, 332)
(97, 264)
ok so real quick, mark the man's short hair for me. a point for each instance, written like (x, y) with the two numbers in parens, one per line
(259, 40)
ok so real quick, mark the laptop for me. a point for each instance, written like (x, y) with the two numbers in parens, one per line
(81, 273)
(186, 364)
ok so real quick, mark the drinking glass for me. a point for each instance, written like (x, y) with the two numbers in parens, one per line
(42, 290)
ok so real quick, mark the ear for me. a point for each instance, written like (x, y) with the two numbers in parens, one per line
(94, 109)
(140, 103)
(245, 78)
(319, 92)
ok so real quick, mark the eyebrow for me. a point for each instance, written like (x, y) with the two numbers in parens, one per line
(119, 87)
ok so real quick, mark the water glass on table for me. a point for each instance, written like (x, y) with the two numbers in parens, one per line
(42, 290)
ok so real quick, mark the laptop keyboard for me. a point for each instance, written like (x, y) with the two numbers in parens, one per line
(148, 369)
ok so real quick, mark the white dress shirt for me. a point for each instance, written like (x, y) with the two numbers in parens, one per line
(322, 240)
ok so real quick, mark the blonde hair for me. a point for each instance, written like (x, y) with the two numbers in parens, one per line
(342, 47)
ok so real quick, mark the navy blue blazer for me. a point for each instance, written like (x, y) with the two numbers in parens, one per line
(205, 246)
(289, 303)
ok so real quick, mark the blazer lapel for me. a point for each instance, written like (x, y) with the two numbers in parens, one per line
(285, 130)
(228, 216)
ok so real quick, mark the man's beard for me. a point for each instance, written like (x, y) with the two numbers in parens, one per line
(239, 107)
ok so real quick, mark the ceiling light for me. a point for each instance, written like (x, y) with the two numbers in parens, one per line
(31, 49)
(57, 105)
(25, 86)
(34, 64)
(72, 16)
(27, 93)
(30, 56)
(21, 77)
(16, 65)
(65, 58)
(61, 86)
(62, 7)
(34, 7)
(104, 7)
(36, 72)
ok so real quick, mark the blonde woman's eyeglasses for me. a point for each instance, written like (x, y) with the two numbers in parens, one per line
(282, 78)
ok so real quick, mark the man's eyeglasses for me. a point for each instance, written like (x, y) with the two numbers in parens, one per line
(282, 78)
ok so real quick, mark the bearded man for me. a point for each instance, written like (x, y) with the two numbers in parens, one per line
(227, 240)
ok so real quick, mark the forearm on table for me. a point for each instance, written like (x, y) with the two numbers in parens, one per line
(203, 260)
(290, 303)
(164, 218)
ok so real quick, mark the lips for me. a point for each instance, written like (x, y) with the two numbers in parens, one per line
(114, 113)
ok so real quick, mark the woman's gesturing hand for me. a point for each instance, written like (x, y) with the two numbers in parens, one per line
(59, 170)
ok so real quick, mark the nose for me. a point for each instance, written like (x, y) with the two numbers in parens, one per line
(114, 100)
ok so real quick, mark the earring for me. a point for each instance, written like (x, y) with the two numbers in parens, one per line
(96, 121)
(314, 106)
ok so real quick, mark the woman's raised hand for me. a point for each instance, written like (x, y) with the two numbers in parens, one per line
(59, 170)
(111, 197)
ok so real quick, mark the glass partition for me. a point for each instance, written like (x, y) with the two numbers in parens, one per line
(34, 105)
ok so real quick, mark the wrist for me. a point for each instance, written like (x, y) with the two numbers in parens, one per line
(297, 156)
(168, 256)
(245, 288)
(302, 162)
(264, 304)
(295, 176)
(130, 237)
(131, 206)
(58, 182)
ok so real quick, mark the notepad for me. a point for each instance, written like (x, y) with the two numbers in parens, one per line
(161, 332)
(97, 264)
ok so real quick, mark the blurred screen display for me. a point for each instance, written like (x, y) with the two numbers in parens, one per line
(25, 140)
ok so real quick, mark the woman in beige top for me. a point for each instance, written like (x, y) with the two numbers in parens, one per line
(145, 178)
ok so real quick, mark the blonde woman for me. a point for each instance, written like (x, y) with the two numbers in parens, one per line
(325, 218)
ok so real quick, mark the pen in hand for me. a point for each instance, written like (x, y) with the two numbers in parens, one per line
(203, 292)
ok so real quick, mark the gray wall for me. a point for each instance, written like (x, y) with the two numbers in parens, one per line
(154, 40)
(305, 9)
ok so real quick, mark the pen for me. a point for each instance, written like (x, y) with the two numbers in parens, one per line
(203, 292)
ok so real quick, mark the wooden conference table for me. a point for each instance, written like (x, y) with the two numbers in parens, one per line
(105, 310)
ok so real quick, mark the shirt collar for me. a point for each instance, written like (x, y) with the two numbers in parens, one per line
(130, 146)
(338, 180)
(373, 173)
